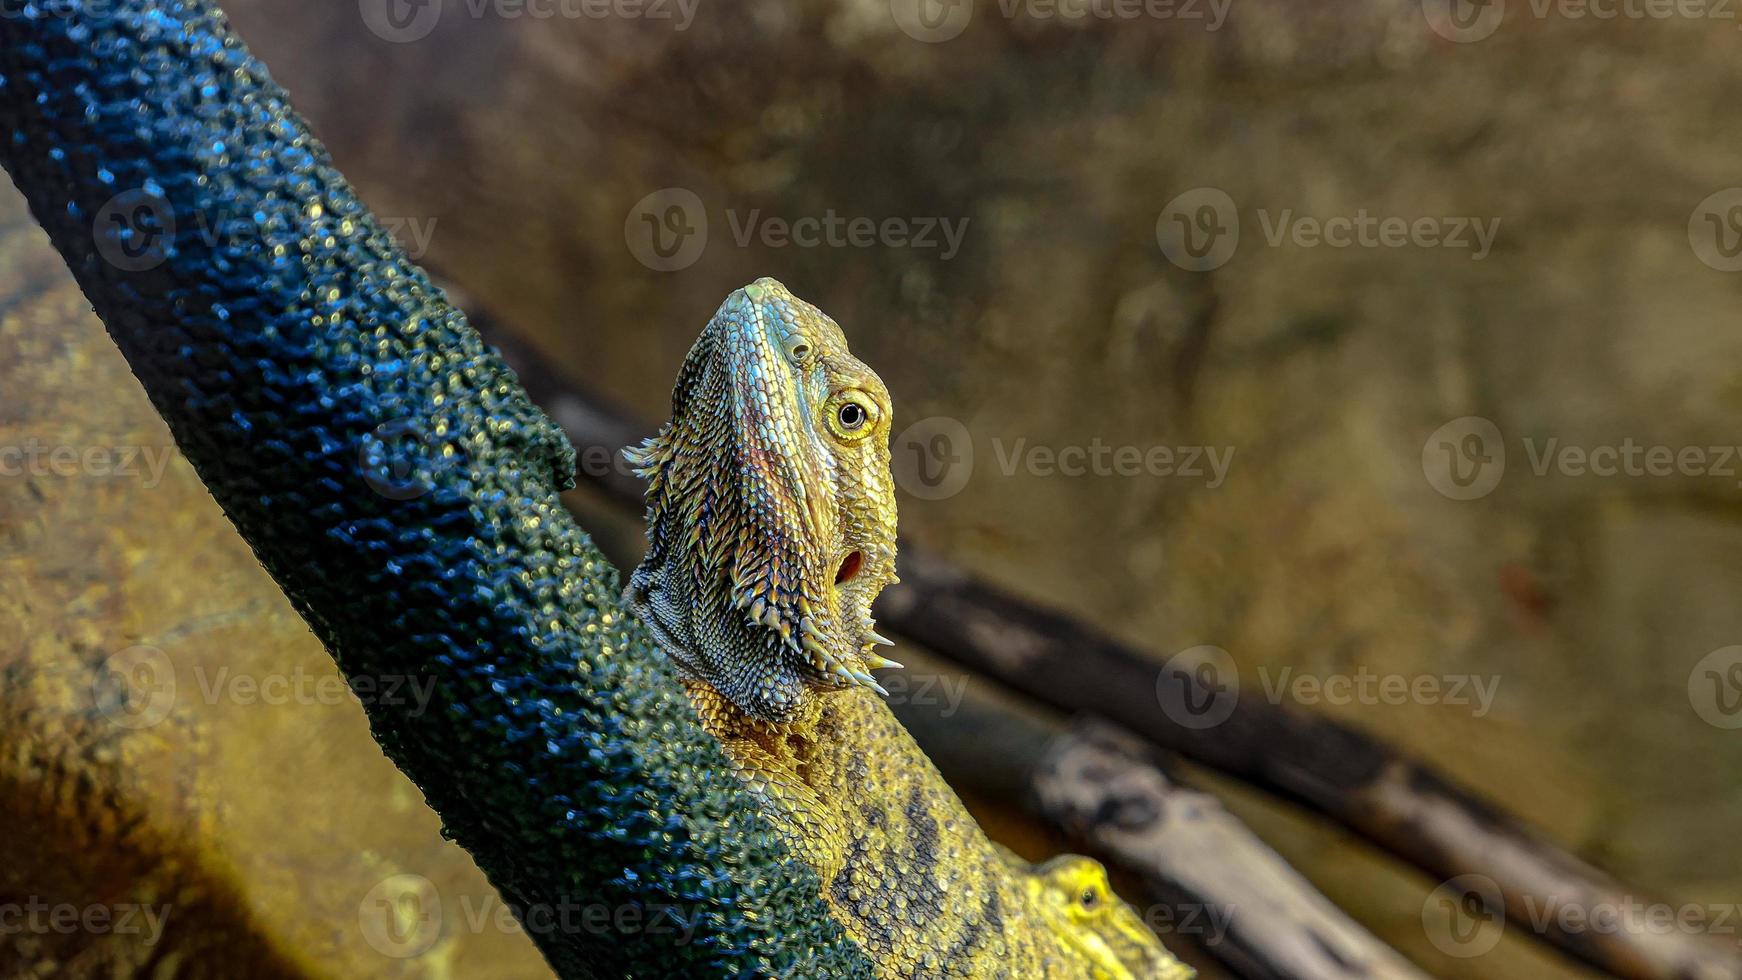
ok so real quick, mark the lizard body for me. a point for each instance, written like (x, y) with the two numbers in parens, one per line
(771, 522)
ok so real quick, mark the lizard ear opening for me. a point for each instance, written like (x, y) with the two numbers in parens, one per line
(850, 568)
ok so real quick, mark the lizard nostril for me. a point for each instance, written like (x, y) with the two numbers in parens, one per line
(850, 566)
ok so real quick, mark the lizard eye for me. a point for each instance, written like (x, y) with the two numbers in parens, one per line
(851, 416)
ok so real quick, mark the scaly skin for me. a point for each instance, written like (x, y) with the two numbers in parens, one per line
(771, 522)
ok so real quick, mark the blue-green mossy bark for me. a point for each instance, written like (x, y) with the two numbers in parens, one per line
(392, 476)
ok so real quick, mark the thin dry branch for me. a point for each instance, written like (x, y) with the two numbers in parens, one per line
(1268, 921)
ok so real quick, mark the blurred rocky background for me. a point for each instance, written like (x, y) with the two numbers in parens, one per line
(1085, 231)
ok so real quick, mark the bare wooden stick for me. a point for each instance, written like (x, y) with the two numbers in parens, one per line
(1258, 914)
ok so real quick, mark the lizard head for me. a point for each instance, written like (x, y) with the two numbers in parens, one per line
(1107, 931)
(770, 508)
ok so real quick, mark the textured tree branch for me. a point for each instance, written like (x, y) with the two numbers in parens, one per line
(395, 480)
(1396, 802)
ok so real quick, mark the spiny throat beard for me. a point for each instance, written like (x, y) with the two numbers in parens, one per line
(768, 539)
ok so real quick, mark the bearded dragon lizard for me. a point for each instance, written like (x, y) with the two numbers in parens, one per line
(771, 524)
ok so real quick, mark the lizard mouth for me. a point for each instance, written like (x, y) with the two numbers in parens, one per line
(850, 567)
